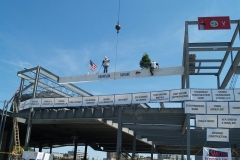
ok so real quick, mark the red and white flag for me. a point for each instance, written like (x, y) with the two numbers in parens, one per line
(92, 66)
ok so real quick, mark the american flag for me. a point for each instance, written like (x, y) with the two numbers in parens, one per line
(92, 66)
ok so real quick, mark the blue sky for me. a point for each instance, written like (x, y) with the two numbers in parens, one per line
(62, 36)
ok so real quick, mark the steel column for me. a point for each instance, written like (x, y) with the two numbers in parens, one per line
(119, 133)
(75, 149)
(29, 129)
(188, 137)
(36, 82)
(134, 144)
(85, 152)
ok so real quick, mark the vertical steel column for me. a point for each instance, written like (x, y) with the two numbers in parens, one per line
(40, 146)
(50, 148)
(119, 134)
(186, 55)
(188, 137)
(75, 149)
(152, 149)
(29, 128)
(218, 82)
(187, 86)
(182, 151)
(36, 82)
(10, 147)
(134, 144)
(85, 152)
(21, 89)
(3, 121)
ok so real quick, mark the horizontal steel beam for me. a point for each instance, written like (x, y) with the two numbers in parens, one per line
(208, 44)
(214, 49)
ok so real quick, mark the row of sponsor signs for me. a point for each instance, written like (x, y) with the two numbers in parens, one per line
(137, 98)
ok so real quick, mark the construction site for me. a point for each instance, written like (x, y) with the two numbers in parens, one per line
(49, 111)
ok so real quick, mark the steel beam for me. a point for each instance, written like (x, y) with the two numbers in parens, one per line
(231, 70)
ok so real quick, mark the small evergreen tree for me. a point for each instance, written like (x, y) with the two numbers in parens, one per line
(145, 61)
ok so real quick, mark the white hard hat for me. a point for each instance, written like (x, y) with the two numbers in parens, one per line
(105, 57)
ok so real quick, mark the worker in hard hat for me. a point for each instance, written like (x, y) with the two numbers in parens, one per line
(154, 65)
(105, 64)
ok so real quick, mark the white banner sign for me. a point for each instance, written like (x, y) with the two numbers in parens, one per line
(61, 102)
(195, 107)
(223, 95)
(161, 96)
(27, 104)
(123, 99)
(90, 101)
(217, 108)
(140, 98)
(216, 153)
(229, 121)
(75, 101)
(234, 107)
(36, 102)
(21, 106)
(206, 121)
(237, 94)
(106, 100)
(47, 102)
(180, 95)
(201, 94)
(218, 135)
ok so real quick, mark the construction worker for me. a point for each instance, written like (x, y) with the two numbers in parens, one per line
(105, 64)
(153, 65)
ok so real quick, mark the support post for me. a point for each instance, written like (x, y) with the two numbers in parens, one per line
(182, 149)
(36, 82)
(29, 128)
(50, 148)
(119, 135)
(85, 152)
(152, 149)
(3, 120)
(134, 144)
(75, 149)
(188, 137)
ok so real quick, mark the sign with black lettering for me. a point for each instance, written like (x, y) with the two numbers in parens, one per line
(106, 100)
(75, 101)
(61, 102)
(216, 153)
(161, 96)
(229, 121)
(180, 95)
(90, 101)
(237, 94)
(195, 107)
(47, 102)
(140, 98)
(201, 94)
(217, 108)
(206, 121)
(123, 99)
(234, 107)
(223, 95)
(218, 135)
(36, 102)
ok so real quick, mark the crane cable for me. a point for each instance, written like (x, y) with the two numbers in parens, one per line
(118, 27)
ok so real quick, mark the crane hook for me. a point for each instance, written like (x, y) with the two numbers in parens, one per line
(118, 27)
